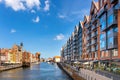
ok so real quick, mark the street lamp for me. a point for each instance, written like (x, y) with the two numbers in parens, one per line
(0, 56)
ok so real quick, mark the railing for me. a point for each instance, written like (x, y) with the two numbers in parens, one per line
(112, 1)
(108, 74)
(88, 31)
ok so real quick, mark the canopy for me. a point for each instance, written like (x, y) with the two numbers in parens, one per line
(86, 63)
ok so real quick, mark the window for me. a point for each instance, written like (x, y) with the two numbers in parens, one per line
(96, 54)
(102, 54)
(110, 42)
(115, 52)
(96, 47)
(110, 19)
(103, 41)
(115, 29)
(103, 22)
(107, 54)
(110, 39)
(93, 48)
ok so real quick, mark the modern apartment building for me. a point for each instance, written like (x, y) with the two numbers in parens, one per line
(108, 16)
(72, 50)
(98, 36)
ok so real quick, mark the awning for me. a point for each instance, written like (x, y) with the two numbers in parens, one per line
(86, 63)
(95, 61)
(77, 62)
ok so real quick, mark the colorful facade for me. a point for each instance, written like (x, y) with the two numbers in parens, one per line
(16, 55)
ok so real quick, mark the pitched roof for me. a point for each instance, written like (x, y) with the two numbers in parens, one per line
(57, 57)
(95, 4)
(86, 18)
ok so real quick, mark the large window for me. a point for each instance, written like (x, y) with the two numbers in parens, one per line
(111, 17)
(103, 22)
(103, 41)
(115, 30)
(110, 39)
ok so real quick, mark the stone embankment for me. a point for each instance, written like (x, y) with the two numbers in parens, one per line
(82, 74)
(4, 68)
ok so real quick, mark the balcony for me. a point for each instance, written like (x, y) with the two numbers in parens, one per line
(94, 42)
(88, 44)
(88, 32)
(113, 1)
(93, 35)
(88, 38)
(103, 10)
(117, 6)
(93, 18)
(94, 27)
(93, 49)
(87, 26)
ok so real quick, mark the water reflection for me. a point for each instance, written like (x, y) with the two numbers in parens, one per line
(43, 71)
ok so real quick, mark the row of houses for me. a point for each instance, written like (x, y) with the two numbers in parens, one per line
(17, 55)
(54, 59)
(97, 37)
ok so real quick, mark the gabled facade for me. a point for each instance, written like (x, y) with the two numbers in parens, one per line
(84, 37)
(93, 33)
(80, 28)
(98, 36)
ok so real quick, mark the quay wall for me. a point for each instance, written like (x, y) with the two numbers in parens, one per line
(70, 72)
(82, 74)
(5, 68)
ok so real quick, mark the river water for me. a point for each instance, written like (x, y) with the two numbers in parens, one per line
(42, 71)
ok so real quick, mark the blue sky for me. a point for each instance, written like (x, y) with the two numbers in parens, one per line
(42, 25)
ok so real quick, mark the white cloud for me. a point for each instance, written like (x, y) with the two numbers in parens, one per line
(74, 15)
(61, 16)
(0, 0)
(36, 20)
(59, 37)
(12, 31)
(33, 3)
(47, 5)
(15, 4)
(33, 11)
(80, 13)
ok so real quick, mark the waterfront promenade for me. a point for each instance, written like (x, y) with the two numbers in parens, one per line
(85, 74)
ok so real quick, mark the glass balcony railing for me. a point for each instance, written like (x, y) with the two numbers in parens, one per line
(94, 27)
(113, 1)
(88, 38)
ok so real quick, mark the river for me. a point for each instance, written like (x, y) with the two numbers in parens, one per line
(42, 71)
